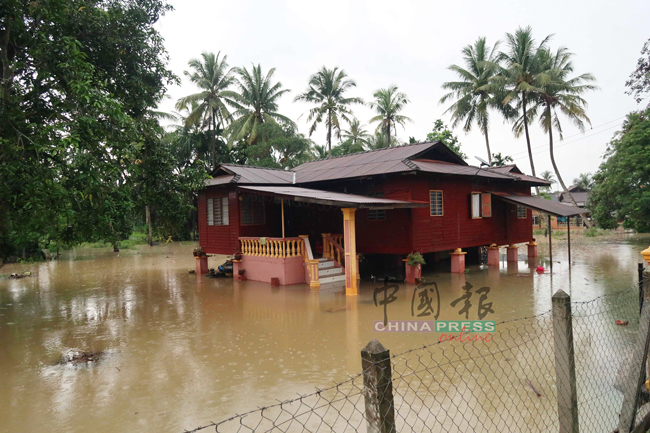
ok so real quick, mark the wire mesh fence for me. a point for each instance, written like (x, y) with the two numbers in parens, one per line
(507, 384)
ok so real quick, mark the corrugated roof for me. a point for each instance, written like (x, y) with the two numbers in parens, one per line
(579, 197)
(332, 198)
(542, 205)
(382, 161)
(513, 170)
(398, 159)
(460, 170)
(244, 174)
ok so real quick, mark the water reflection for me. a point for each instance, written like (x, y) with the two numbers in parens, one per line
(184, 348)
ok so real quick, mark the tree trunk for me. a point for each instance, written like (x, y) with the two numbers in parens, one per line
(147, 211)
(213, 149)
(559, 178)
(487, 142)
(530, 151)
(388, 133)
(4, 60)
(329, 133)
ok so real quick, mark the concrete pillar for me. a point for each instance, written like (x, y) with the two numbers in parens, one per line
(532, 249)
(350, 240)
(236, 265)
(493, 255)
(378, 388)
(565, 369)
(201, 265)
(513, 253)
(458, 261)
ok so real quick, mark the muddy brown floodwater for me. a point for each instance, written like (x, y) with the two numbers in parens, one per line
(157, 349)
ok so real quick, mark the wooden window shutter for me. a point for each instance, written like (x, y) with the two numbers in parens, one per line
(486, 204)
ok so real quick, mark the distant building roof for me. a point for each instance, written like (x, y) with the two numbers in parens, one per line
(581, 198)
(430, 157)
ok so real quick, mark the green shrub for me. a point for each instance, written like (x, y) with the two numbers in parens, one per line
(415, 259)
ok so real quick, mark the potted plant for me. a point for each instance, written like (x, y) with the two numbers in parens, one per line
(414, 263)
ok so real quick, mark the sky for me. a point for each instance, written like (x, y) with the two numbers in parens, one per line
(411, 44)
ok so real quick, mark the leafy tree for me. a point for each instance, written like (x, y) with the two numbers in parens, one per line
(388, 104)
(584, 180)
(560, 94)
(378, 141)
(550, 177)
(639, 82)
(326, 89)
(348, 147)
(621, 189)
(499, 161)
(444, 134)
(208, 109)
(78, 83)
(475, 93)
(356, 133)
(278, 147)
(319, 151)
(518, 75)
(256, 103)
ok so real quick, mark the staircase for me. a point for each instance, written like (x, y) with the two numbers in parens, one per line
(330, 273)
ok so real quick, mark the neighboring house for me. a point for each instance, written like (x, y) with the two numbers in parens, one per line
(383, 204)
(580, 195)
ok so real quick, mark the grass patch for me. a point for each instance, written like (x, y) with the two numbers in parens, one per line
(539, 232)
(592, 232)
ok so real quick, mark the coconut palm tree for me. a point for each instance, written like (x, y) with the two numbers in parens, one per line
(326, 89)
(378, 141)
(356, 133)
(388, 103)
(474, 93)
(584, 181)
(256, 103)
(518, 74)
(499, 160)
(209, 106)
(548, 176)
(560, 94)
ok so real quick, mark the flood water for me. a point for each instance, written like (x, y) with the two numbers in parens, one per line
(180, 350)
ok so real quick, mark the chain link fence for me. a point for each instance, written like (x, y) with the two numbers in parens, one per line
(508, 384)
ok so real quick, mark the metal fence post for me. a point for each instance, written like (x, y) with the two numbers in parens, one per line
(565, 369)
(640, 286)
(378, 388)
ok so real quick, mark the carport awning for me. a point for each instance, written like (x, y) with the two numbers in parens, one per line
(307, 195)
(542, 205)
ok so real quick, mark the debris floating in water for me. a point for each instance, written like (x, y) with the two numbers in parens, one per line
(533, 388)
(622, 322)
(540, 269)
(76, 357)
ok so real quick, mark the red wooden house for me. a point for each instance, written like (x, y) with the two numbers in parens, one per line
(383, 203)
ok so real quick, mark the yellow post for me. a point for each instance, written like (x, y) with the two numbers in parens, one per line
(282, 201)
(349, 237)
(326, 249)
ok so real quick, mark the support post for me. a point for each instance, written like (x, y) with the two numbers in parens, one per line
(512, 254)
(458, 261)
(532, 249)
(637, 373)
(640, 286)
(568, 237)
(493, 255)
(565, 369)
(282, 204)
(326, 249)
(349, 237)
(550, 241)
(378, 388)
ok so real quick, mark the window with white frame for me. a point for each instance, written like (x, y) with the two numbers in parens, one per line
(435, 203)
(535, 220)
(522, 211)
(218, 211)
(252, 210)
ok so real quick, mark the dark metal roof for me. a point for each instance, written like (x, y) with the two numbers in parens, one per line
(461, 170)
(243, 174)
(381, 161)
(431, 157)
(308, 195)
(579, 197)
(513, 170)
(542, 205)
